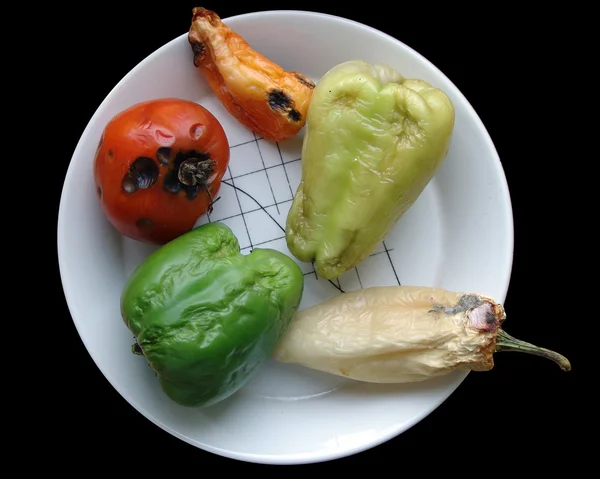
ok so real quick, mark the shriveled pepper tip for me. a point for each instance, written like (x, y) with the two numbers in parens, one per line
(204, 13)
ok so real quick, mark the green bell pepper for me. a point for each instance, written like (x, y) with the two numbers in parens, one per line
(372, 143)
(206, 316)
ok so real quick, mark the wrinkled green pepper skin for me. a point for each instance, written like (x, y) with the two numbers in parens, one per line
(206, 316)
(373, 141)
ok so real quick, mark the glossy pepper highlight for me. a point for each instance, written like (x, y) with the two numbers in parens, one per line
(373, 142)
(206, 316)
(259, 93)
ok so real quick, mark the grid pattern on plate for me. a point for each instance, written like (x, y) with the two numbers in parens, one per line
(254, 200)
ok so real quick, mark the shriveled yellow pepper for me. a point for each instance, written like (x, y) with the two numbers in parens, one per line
(259, 93)
(402, 334)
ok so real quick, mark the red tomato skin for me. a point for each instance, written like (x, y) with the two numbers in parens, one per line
(165, 131)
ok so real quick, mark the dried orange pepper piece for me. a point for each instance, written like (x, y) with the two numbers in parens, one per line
(259, 93)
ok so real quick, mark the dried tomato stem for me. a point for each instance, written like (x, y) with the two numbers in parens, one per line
(505, 342)
(211, 200)
(195, 171)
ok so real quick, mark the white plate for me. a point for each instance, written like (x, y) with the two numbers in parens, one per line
(457, 236)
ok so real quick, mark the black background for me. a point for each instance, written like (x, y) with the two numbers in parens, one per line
(521, 412)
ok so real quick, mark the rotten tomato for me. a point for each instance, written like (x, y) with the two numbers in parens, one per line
(158, 168)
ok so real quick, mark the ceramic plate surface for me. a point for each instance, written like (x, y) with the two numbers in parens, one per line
(458, 236)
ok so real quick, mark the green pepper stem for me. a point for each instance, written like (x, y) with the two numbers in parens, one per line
(505, 342)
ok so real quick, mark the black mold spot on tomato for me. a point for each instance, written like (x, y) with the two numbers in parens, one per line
(192, 191)
(143, 173)
(190, 172)
(144, 223)
(163, 154)
(172, 184)
(110, 153)
(129, 185)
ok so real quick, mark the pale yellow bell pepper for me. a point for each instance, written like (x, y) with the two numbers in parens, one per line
(373, 141)
(401, 334)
